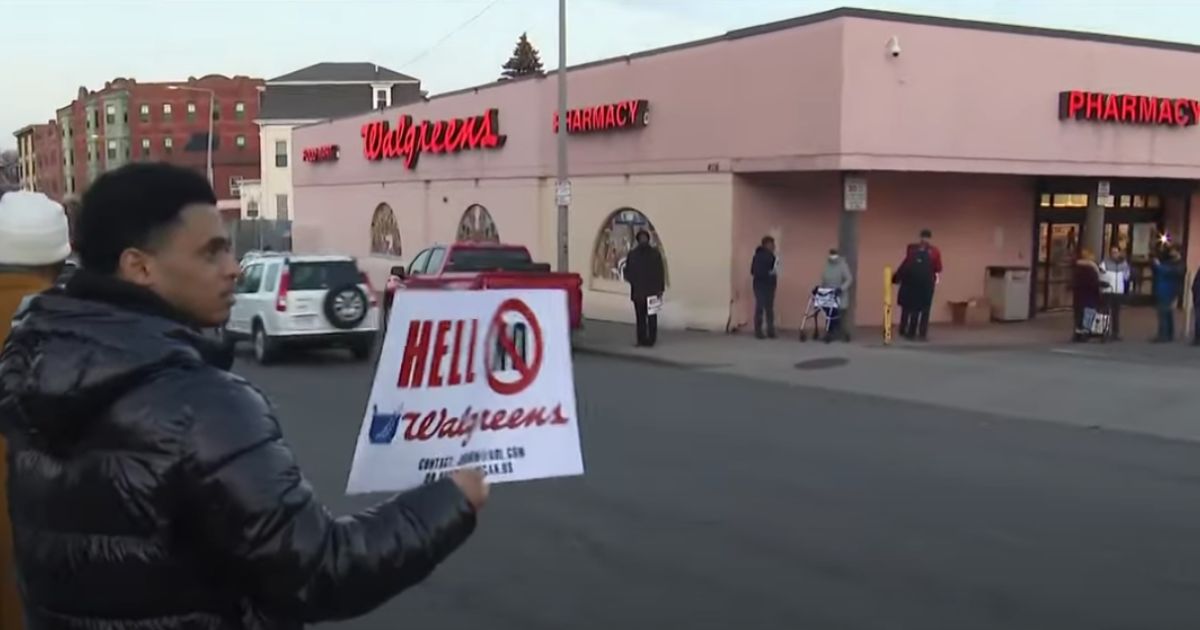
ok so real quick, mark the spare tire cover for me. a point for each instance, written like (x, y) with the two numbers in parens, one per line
(346, 306)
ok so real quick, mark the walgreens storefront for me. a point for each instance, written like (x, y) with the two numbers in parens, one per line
(707, 157)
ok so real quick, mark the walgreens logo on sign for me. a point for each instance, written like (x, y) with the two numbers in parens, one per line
(408, 140)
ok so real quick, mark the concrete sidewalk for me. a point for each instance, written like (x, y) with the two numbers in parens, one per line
(1129, 386)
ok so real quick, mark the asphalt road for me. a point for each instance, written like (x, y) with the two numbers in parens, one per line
(716, 502)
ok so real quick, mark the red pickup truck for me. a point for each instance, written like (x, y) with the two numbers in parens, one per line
(475, 266)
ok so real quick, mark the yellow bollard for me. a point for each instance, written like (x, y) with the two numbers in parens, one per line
(887, 306)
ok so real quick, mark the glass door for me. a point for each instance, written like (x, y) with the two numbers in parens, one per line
(1058, 246)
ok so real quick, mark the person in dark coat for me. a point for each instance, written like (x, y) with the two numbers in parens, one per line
(1086, 289)
(647, 278)
(764, 273)
(1168, 282)
(1196, 309)
(149, 486)
(918, 277)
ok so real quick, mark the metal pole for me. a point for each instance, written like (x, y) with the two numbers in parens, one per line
(562, 200)
(848, 248)
(212, 107)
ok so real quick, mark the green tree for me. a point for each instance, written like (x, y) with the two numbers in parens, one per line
(524, 61)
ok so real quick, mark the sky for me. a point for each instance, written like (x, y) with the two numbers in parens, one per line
(52, 47)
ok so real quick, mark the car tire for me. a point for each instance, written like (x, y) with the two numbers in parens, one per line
(346, 306)
(265, 349)
(360, 349)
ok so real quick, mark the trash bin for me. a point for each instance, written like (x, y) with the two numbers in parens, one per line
(1008, 292)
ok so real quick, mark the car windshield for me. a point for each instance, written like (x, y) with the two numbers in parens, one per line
(315, 276)
(489, 259)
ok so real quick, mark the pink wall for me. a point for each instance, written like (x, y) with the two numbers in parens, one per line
(704, 107)
(977, 221)
(800, 211)
(971, 100)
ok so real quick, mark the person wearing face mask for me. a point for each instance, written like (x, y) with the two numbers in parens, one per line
(836, 275)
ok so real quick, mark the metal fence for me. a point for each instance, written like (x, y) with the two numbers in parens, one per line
(260, 234)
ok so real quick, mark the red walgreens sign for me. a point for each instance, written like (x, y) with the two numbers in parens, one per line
(622, 115)
(324, 153)
(1128, 108)
(409, 141)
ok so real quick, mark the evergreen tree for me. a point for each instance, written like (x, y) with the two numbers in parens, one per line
(524, 61)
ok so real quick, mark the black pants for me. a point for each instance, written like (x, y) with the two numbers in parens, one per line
(647, 324)
(764, 308)
(914, 321)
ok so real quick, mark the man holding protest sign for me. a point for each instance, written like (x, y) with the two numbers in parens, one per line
(149, 486)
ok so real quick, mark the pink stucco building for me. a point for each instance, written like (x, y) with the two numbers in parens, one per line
(971, 131)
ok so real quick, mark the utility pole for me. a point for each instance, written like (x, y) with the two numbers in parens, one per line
(562, 188)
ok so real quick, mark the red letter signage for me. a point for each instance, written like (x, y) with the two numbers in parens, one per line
(1128, 109)
(324, 153)
(408, 140)
(622, 115)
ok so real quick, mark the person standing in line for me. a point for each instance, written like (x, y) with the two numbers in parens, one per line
(1087, 286)
(837, 275)
(149, 486)
(1196, 308)
(34, 243)
(647, 278)
(1116, 271)
(1168, 281)
(764, 273)
(918, 276)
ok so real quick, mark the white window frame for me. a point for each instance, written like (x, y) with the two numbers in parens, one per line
(168, 142)
(240, 141)
(284, 154)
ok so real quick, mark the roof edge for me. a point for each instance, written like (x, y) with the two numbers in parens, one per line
(826, 16)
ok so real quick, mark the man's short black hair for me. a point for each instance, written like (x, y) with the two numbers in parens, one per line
(926, 233)
(768, 239)
(131, 207)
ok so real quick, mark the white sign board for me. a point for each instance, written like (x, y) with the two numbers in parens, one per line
(470, 379)
(855, 194)
(562, 193)
(1104, 189)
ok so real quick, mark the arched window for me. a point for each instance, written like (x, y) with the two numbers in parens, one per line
(477, 225)
(385, 232)
(617, 236)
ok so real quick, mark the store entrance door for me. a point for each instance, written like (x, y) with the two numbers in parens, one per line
(1058, 246)
(1133, 223)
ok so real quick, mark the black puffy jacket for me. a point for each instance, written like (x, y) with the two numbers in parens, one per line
(150, 488)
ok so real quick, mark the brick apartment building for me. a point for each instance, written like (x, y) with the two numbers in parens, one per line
(39, 150)
(127, 121)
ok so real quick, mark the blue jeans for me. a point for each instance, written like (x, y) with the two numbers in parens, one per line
(1166, 320)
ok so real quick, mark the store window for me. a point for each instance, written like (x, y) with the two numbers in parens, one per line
(477, 225)
(617, 236)
(385, 232)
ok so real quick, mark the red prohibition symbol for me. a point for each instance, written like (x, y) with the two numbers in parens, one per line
(505, 341)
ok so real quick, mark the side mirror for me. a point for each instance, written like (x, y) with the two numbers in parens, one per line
(399, 272)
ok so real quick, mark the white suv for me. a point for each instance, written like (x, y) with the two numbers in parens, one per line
(285, 300)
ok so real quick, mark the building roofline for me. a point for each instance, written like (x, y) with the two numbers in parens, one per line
(865, 14)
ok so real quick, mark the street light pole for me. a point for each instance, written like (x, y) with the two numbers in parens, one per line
(562, 191)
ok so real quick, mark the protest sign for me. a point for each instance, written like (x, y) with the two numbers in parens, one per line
(470, 379)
